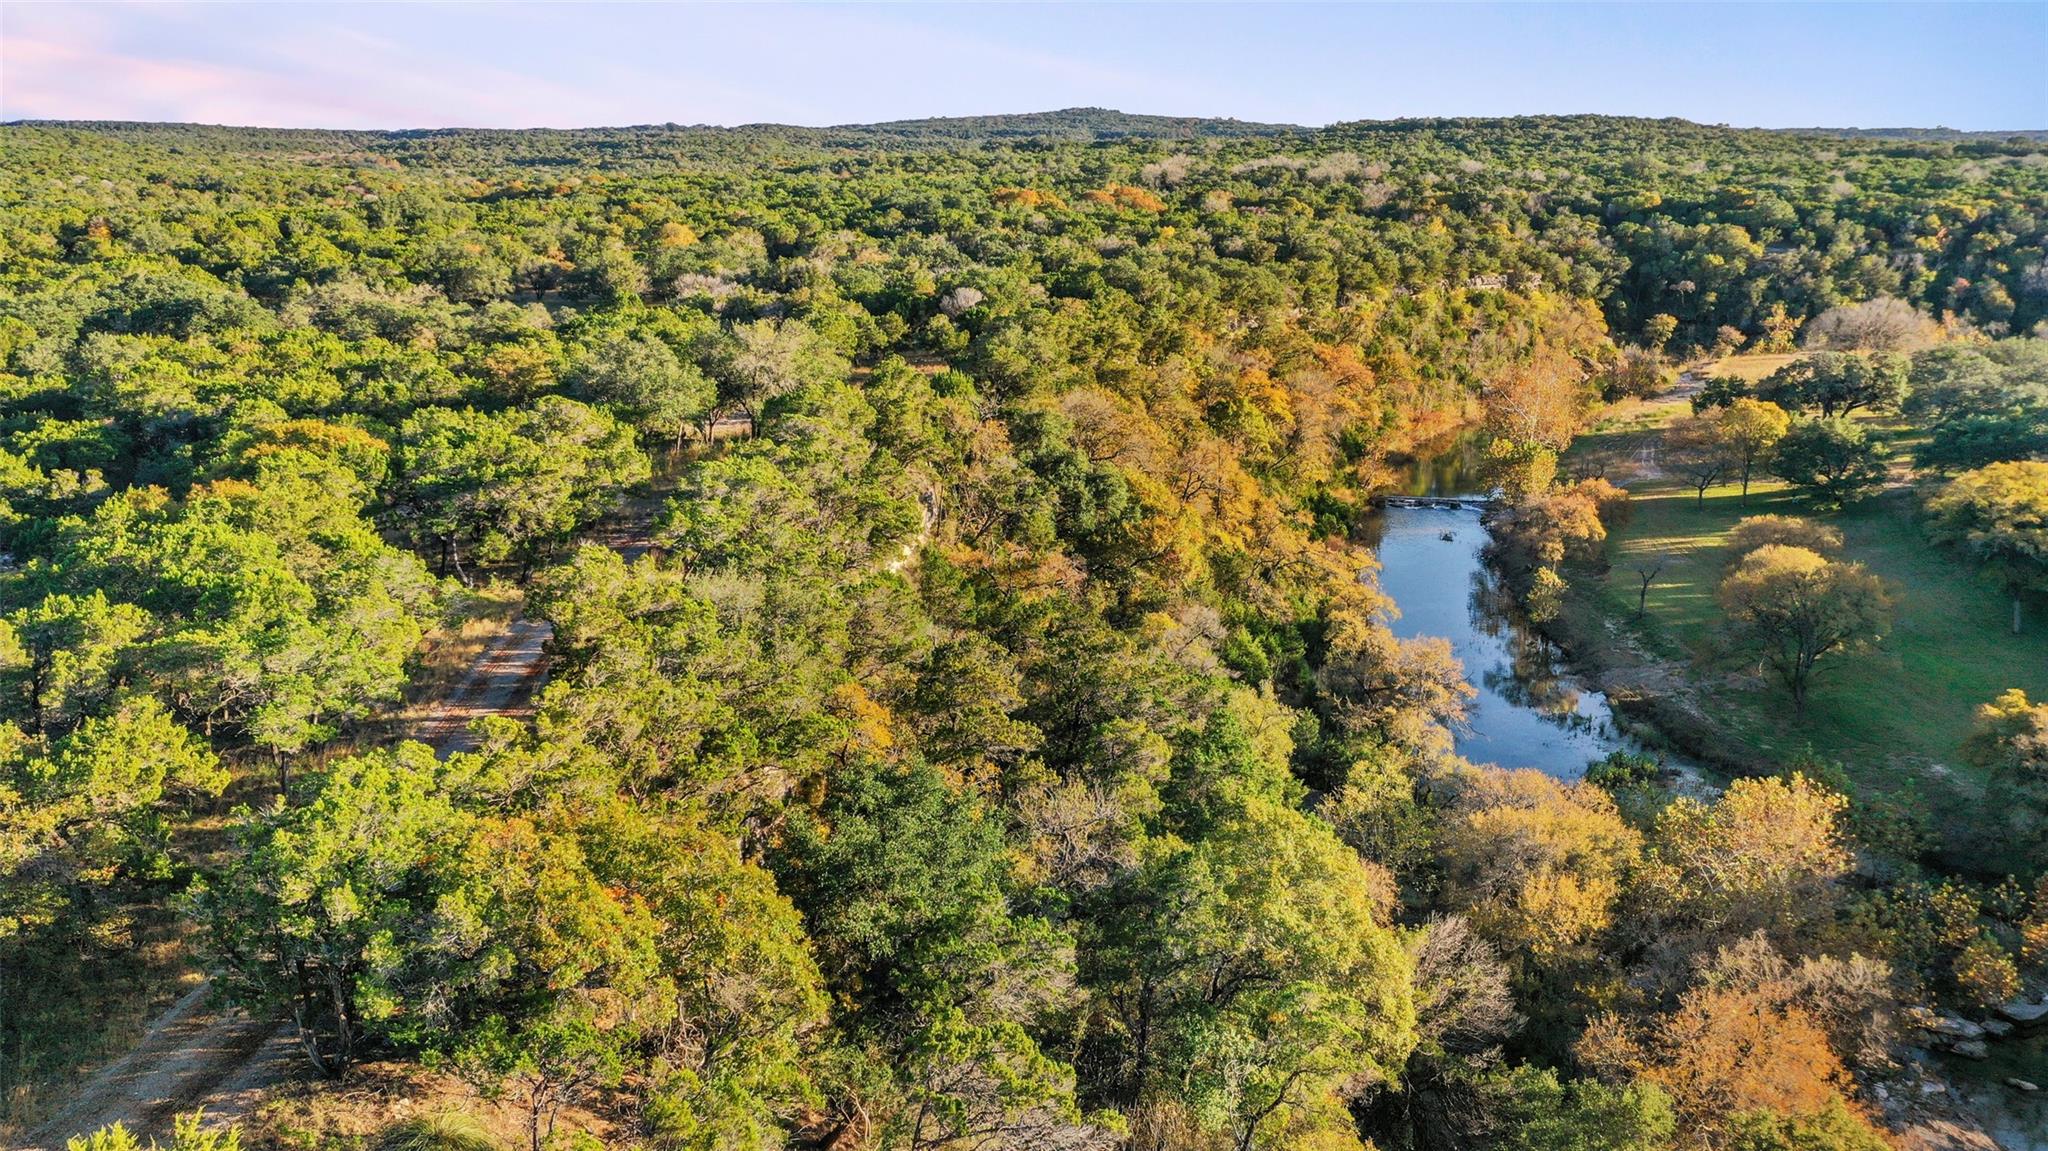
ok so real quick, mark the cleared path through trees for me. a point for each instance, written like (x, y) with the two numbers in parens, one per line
(196, 1055)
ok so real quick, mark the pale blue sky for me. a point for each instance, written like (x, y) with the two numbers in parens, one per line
(394, 65)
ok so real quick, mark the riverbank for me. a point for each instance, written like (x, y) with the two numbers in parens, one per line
(1894, 718)
(1593, 679)
(1657, 700)
(1532, 708)
(1956, 1103)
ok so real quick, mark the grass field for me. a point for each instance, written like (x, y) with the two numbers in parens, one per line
(1895, 715)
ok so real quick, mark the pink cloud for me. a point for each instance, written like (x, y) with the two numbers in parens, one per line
(73, 63)
(83, 76)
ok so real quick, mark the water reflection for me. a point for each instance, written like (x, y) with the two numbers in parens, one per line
(1528, 711)
(1452, 466)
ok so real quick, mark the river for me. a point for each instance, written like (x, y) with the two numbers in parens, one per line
(1529, 711)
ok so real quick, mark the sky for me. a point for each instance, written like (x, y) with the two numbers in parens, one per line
(517, 65)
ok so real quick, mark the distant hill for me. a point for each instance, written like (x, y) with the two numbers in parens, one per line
(1069, 125)
(1074, 123)
(1920, 133)
(1534, 141)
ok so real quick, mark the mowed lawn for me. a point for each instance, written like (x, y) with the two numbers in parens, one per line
(1894, 715)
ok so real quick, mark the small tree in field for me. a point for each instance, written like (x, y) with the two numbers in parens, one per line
(1753, 532)
(1999, 515)
(1694, 447)
(1882, 324)
(1751, 430)
(1839, 383)
(1647, 566)
(1795, 607)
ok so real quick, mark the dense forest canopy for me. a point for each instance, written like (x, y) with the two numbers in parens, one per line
(1003, 743)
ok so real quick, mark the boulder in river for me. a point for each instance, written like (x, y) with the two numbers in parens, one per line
(2024, 1014)
(1952, 1027)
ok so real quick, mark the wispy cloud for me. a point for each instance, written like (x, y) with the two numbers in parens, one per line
(68, 62)
(511, 64)
(307, 69)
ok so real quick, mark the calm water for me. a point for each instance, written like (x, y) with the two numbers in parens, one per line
(1528, 712)
(2017, 1119)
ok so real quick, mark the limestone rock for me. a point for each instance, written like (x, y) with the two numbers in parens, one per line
(1955, 1028)
(2023, 1013)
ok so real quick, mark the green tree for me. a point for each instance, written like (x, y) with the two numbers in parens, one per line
(1250, 974)
(60, 658)
(88, 809)
(1960, 379)
(1975, 439)
(514, 485)
(1546, 1114)
(274, 610)
(905, 898)
(647, 383)
(382, 909)
(1659, 329)
(744, 512)
(762, 361)
(749, 996)
(1838, 383)
(467, 268)
(1998, 515)
(331, 912)
(544, 1064)
(1834, 460)
(990, 1086)
(1834, 1128)
(2010, 737)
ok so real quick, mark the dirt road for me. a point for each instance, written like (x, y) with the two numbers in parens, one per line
(192, 1056)
(500, 682)
(199, 1056)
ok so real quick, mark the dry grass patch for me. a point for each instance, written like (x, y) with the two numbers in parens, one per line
(1751, 367)
(394, 1106)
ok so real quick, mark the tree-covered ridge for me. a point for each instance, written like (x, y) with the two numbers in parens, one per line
(1714, 226)
(1005, 745)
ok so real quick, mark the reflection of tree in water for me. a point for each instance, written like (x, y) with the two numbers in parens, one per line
(1451, 466)
(1532, 678)
(1370, 529)
(1490, 608)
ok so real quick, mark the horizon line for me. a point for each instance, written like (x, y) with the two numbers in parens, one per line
(1272, 125)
